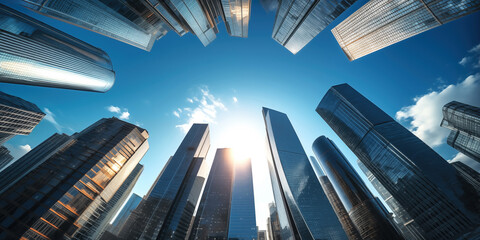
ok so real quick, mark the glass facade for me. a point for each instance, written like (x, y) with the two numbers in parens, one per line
(227, 208)
(168, 208)
(17, 116)
(237, 16)
(33, 53)
(242, 223)
(295, 185)
(470, 175)
(122, 216)
(299, 21)
(212, 218)
(195, 17)
(5, 157)
(421, 181)
(102, 211)
(381, 23)
(337, 205)
(54, 198)
(464, 121)
(134, 22)
(175, 23)
(370, 219)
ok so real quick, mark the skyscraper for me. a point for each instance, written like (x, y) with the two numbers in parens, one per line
(17, 116)
(5, 157)
(103, 212)
(464, 121)
(34, 53)
(274, 228)
(470, 175)
(134, 22)
(298, 21)
(404, 223)
(303, 209)
(262, 235)
(122, 216)
(368, 218)
(422, 182)
(195, 17)
(381, 23)
(54, 198)
(167, 210)
(342, 214)
(227, 208)
(237, 16)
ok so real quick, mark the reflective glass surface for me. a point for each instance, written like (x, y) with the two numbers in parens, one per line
(381, 23)
(131, 21)
(33, 53)
(429, 190)
(307, 204)
(237, 16)
(52, 199)
(299, 21)
(122, 216)
(171, 192)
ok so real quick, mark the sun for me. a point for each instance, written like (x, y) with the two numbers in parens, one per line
(243, 141)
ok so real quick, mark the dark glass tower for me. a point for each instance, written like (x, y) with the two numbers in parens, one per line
(404, 223)
(369, 219)
(298, 21)
(103, 211)
(421, 181)
(469, 174)
(464, 121)
(227, 208)
(167, 210)
(17, 116)
(53, 198)
(303, 208)
(134, 22)
(342, 214)
(5, 157)
(123, 215)
(34, 53)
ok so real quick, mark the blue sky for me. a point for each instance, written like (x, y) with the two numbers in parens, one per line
(411, 80)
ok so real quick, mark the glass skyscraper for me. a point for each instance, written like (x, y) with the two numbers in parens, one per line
(464, 121)
(53, 198)
(303, 208)
(381, 23)
(123, 215)
(342, 214)
(237, 16)
(134, 22)
(102, 212)
(369, 219)
(17, 116)
(421, 181)
(469, 174)
(168, 208)
(5, 157)
(298, 21)
(34, 53)
(404, 223)
(227, 208)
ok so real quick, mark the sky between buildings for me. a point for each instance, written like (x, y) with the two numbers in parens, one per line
(226, 84)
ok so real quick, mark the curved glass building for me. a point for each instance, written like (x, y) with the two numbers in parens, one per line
(303, 208)
(369, 219)
(34, 53)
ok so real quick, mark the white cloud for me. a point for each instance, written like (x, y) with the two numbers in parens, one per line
(474, 57)
(426, 114)
(124, 115)
(50, 117)
(235, 100)
(190, 100)
(464, 61)
(25, 148)
(176, 114)
(205, 111)
(114, 109)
